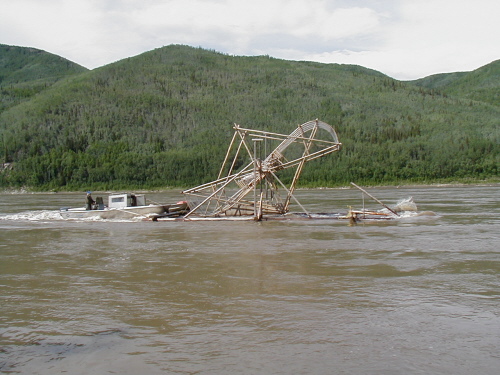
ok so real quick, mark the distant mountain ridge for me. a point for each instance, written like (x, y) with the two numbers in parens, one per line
(482, 84)
(164, 118)
(22, 64)
(25, 72)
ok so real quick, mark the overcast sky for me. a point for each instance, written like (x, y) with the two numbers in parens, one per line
(405, 39)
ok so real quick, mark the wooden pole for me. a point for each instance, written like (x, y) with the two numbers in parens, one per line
(375, 199)
(256, 169)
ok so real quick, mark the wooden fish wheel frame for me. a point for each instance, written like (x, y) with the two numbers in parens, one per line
(248, 183)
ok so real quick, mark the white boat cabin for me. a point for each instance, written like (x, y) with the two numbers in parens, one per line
(126, 200)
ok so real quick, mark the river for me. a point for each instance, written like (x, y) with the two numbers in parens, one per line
(417, 295)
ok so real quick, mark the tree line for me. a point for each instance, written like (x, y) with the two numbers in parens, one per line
(164, 119)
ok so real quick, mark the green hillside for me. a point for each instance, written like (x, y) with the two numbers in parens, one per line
(482, 84)
(25, 72)
(165, 118)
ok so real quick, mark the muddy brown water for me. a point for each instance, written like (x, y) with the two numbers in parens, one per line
(419, 295)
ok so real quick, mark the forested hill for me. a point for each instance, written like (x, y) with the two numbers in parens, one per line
(482, 84)
(165, 118)
(25, 72)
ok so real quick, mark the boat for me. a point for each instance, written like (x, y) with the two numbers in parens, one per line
(124, 206)
(248, 186)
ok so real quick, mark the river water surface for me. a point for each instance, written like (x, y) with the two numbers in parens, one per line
(419, 295)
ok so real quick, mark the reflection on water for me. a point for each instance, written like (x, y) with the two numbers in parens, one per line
(416, 295)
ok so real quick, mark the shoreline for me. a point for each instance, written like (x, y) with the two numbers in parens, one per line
(493, 183)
